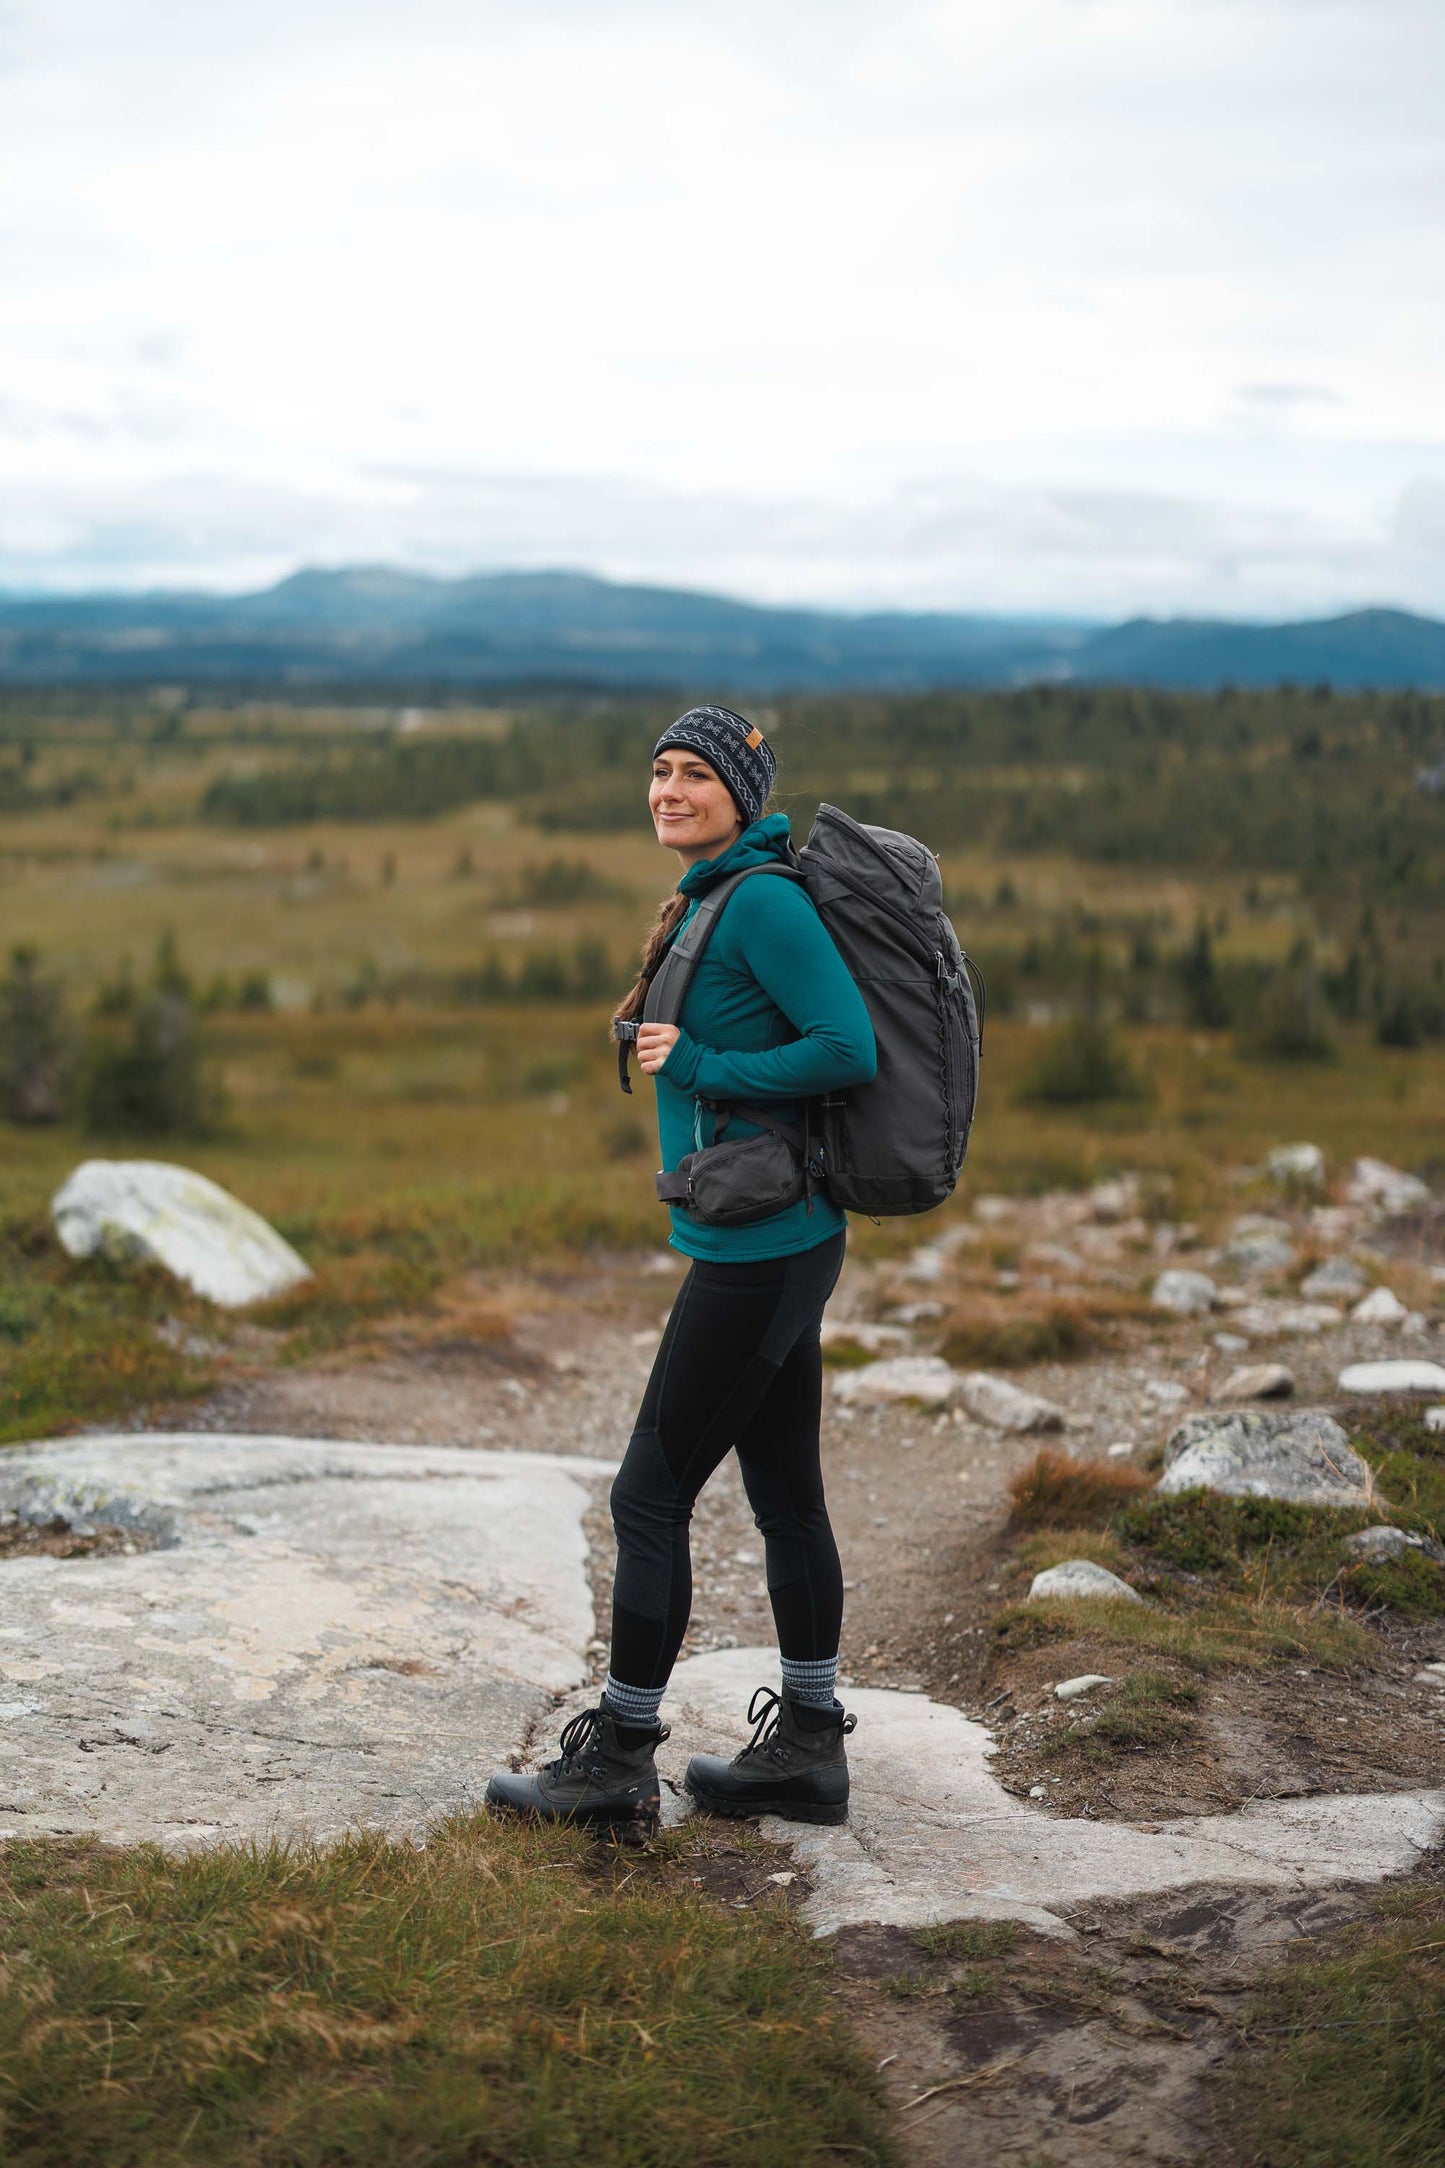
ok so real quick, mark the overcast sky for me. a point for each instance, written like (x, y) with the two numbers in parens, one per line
(1087, 305)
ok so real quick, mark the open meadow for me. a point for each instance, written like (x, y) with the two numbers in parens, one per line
(356, 963)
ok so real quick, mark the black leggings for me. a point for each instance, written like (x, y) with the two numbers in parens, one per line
(739, 1365)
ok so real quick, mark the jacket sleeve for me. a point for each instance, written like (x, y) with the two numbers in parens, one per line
(791, 954)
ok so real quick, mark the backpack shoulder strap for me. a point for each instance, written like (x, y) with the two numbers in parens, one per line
(671, 980)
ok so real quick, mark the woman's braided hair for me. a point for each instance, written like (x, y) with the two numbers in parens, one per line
(670, 914)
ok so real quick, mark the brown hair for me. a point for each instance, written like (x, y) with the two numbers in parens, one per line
(670, 914)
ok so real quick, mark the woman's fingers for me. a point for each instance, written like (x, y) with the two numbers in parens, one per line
(654, 1043)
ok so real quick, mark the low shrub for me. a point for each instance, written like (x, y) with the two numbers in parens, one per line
(1054, 1491)
(1147, 1710)
(1081, 1064)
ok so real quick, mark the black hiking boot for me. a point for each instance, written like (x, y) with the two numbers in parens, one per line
(605, 1778)
(793, 1765)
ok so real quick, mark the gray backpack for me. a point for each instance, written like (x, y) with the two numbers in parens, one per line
(894, 1146)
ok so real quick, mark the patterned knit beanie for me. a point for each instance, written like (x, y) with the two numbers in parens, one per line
(734, 746)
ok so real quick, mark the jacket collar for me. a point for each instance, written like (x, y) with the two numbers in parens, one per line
(758, 844)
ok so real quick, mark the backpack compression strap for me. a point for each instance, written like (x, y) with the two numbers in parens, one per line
(668, 987)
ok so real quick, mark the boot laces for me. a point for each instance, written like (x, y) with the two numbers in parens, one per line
(765, 1713)
(578, 1743)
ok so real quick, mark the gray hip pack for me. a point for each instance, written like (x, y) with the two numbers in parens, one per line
(731, 1181)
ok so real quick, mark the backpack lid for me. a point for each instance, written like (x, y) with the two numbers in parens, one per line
(902, 871)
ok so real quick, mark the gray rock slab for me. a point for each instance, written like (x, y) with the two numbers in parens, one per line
(927, 1379)
(933, 1836)
(1384, 1542)
(148, 1211)
(331, 1634)
(1303, 1456)
(1004, 1406)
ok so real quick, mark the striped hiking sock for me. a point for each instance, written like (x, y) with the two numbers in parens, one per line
(811, 1683)
(633, 1706)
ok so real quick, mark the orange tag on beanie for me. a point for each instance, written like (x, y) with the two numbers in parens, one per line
(753, 739)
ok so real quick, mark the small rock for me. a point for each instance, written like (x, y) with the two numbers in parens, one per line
(1116, 1200)
(924, 1378)
(784, 1879)
(1378, 1543)
(1230, 1343)
(1432, 1675)
(1079, 1577)
(1408, 1375)
(1388, 1189)
(1120, 1449)
(1070, 1689)
(1338, 1277)
(1303, 1457)
(1005, 1407)
(992, 1210)
(917, 1313)
(1380, 1307)
(1266, 1320)
(1434, 1419)
(146, 1211)
(1257, 1381)
(1259, 1245)
(1166, 1392)
(1036, 1791)
(925, 1266)
(873, 1339)
(1188, 1294)
(1297, 1166)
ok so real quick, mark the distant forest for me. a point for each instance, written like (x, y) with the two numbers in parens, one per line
(1323, 786)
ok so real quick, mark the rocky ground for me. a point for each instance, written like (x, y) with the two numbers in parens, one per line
(1115, 2039)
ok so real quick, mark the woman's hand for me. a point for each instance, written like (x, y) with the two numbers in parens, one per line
(654, 1043)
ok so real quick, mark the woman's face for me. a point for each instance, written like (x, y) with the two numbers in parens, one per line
(693, 811)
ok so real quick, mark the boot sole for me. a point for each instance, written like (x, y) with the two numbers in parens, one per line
(788, 1810)
(623, 1822)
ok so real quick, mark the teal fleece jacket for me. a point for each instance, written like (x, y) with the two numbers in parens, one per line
(772, 1014)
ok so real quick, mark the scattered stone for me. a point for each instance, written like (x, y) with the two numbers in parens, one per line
(924, 1378)
(1257, 1381)
(1337, 1277)
(1230, 1343)
(1432, 1675)
(1380, 1307)
(1053, 1257)
(925, 1267)
(917, 1313)
(1304, 1457)
(1036, 1791)
(1434, 1419)
(1115, 1200)
(1267, 1320)
(1259, 1245)
(1389, 1189)
(1380, 1543)
(1003, 1406)
(146, 1211)
(1297, 1166)
(873, 1339)
(1188, 1294)
(1407, 1375)
(1120, 1449)
(991, 1210)
(1079, 1577)
(1070, 1689)
(1166, 1392)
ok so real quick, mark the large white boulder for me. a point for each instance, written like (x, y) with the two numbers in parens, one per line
(1304, 1457)
(145, 1211)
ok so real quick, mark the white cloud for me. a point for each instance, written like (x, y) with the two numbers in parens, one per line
(1135, 304)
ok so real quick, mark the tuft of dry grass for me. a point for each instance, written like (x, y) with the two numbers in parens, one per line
(1221, 1632)
(992, 1332)
(1055, 1491)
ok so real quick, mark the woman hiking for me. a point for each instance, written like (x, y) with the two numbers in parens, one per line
(771, 1015)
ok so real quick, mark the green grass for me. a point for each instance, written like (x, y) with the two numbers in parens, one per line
(1344, 2062)
(1144, 1712)
(504, 1995)
(1215, 1635)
